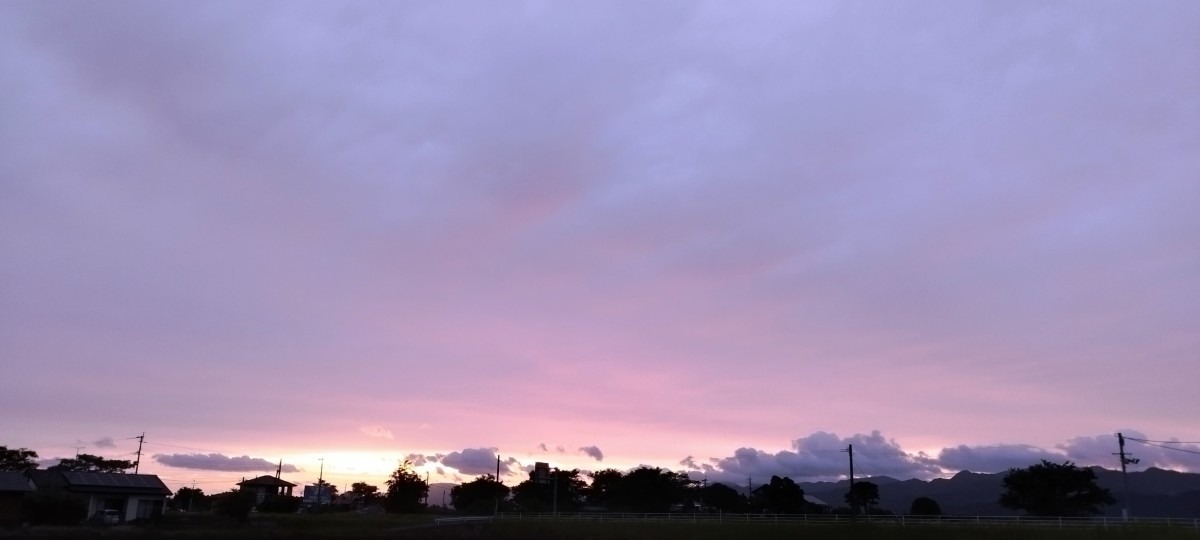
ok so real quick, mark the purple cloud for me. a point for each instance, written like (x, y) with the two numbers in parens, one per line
(994, 458)
(476, 461)
(593, 452)
(221, 462)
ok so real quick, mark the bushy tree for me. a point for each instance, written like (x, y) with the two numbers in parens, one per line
(190, 499)
(1052, 489)
(531, 496)
(235, 504)
(781, 496)
(603, 487)
(862, 496)
(406, 491)
(479, 496)
(651, 489)
(924, 506)
(722, 498)
(17, 459)
(366, 493)
(90, 463)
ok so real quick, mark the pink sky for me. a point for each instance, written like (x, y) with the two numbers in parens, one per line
(718, 238)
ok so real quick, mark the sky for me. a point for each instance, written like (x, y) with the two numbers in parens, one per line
(730, 238)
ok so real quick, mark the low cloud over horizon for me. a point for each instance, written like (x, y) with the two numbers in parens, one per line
(822, 456)
(221, 462)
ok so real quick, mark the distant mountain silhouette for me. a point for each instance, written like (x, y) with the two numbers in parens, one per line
(1154, 493)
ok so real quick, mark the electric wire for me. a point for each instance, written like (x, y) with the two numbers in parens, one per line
(1166, 447)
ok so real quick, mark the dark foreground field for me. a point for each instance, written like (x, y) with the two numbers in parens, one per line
(422, 528)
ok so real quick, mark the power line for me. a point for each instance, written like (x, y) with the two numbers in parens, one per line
(1164, 446)
(183, 447)
(1163, 442)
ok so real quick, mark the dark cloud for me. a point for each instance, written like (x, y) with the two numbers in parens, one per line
(994, 458)
(418, 460)
(593, 452)
(104, 442)
(221, 462)
(474, 461)
(1099, 450)
(542, 447)
(822, 456)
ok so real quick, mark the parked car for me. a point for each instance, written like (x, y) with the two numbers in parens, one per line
(106, 517)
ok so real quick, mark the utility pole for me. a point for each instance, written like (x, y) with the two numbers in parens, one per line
(141, 439)
(1125, 460)
(320, 480)
(850, 450)
(555, 504)
(496, 495)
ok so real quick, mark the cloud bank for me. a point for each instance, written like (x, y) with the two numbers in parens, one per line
(221, 462)
(823, 456)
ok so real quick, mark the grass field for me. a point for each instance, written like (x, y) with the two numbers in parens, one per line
(651, 531)
(420, 527)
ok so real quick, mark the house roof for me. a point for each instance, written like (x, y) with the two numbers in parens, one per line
(813, 500)
(14, 481)
(265, 480)
(115, 483)
(45, 479)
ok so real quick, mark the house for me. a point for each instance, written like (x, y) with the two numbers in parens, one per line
(13, 487)
(265, 486)
(817, 504)
(131, 496)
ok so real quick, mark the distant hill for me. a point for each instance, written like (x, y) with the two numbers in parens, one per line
(1153, 492)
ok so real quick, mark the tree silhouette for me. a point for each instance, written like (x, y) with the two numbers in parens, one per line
(366, 493)
(723, 498)
(17, 459)
(604, 486)
(90, 463)
(479, 496)
(780, 496)
(190, 499)
(406, 490)
(531, 496)
(862, 496)
(924, 506)
(650, 489)
(1052, 489)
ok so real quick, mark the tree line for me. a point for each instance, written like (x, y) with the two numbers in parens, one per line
(1044, 489)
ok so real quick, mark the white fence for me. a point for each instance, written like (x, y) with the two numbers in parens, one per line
(834, 519)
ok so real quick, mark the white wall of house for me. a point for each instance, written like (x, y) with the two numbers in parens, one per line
(132, 506)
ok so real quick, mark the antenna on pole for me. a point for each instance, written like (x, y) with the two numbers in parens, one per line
(137, 464)
(1125, 460)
